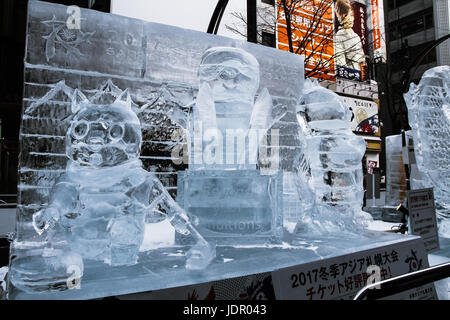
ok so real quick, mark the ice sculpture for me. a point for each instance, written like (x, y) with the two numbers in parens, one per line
(225, 109)
(330, 169)
(236, 202)
(429, 117)
(395, 171)
(103, 200)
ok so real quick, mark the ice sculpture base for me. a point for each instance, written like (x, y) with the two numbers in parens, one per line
(164, 268)
(233, 206)
(390, 214)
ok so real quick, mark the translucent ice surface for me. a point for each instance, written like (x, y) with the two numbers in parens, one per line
(395, 171)
(159, 64)
(226, 118)
(236, 203)
(429, 117)
(234, 207)
(101, 203)
(331, 171)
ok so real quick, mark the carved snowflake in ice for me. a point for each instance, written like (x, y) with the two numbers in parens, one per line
(61, 36)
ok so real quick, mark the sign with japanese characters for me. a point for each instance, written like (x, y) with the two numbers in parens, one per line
(310, 28)
(348, 73)
(364, 115)
(340, 278)
(351, 39)
(422, 217)
(376, 25)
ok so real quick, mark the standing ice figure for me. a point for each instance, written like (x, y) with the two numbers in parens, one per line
(334, 161)
(429, 117)
(225, 109)
(236, 202)
(103, 200)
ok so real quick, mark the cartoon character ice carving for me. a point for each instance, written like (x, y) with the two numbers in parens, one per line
(103, 200)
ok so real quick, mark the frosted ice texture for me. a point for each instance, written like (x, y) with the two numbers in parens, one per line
(429, 117)
(234, 207)
(395, 171)
(103, 200)
(330, 168)
(159, 65)
(226, 108)
(235, 202)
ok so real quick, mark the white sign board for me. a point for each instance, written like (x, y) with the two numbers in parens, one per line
(365, 115)
(422, 217)
(340, 278)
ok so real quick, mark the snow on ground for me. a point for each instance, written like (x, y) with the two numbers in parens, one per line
(378, 225)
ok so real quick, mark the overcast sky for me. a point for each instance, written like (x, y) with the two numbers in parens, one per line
(190, 14)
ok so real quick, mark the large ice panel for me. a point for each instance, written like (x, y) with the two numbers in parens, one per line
(159, 64)
(428, 113)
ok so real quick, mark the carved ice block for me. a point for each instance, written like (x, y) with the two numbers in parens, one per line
(235, 206)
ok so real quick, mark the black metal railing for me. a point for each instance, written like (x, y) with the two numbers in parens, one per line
(404, 282)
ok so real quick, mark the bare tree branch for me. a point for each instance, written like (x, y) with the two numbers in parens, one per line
(306, 25)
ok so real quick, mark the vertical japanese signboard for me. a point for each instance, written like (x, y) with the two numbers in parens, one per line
(351, 39)
(376, 25)
(312, 35)
(335, 36)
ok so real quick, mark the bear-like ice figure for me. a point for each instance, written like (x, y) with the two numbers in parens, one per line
(103, 200)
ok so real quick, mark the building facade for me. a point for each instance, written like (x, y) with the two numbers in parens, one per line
(413, 27)
(351, 46)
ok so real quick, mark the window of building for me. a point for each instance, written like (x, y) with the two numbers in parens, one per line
(392, 4)
(268, 39)
(400, 59)
(271, 2)
(417, 22)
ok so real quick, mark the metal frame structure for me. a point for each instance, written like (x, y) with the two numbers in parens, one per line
(214, 23)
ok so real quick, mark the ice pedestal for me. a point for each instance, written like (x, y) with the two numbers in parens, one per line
(233, 207)
(164, 268)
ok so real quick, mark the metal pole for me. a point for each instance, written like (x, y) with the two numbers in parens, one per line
(418, 59)
(214, 23)
(252, 35)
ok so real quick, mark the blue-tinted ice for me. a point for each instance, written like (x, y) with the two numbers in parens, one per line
(429, 117)
(235, 202)
(91, 208)
(101, 203)
(330, 168)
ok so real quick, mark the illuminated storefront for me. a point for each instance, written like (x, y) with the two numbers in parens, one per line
(345, 38)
